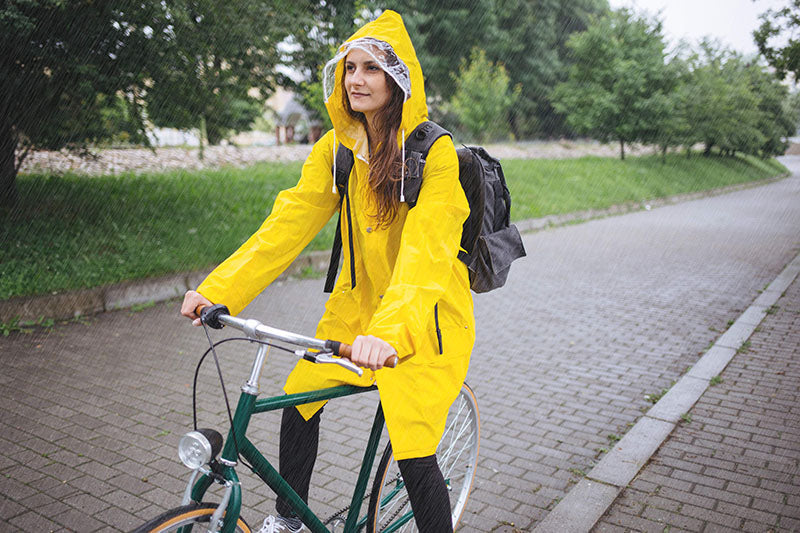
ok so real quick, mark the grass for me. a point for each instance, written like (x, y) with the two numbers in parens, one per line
(71, 232)
(744, 348)
(547, 187)
(26, 326)
(653, 398)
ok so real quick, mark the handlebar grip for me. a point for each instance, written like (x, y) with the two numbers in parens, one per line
(210, 315)
(345, 350)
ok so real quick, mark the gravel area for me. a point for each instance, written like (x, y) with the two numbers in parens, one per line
(116, 161)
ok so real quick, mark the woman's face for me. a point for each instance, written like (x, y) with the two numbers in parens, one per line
(365, 83)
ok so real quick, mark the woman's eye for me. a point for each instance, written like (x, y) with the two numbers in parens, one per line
(373, 68)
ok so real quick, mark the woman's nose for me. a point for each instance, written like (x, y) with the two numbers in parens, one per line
(356, 78)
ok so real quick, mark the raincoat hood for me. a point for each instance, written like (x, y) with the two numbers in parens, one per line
(387, 29)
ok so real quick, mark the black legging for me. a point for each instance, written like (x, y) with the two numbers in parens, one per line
(424, 481)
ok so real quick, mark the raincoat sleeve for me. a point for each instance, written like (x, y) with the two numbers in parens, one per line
(428, 248)
(297, 216)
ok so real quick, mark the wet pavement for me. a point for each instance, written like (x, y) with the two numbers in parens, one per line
(733, 464)
(592, 327)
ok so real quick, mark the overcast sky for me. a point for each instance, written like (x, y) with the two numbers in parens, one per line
(730, 21)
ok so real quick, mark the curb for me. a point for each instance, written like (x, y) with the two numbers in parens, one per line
(588, 501)
(127, 294)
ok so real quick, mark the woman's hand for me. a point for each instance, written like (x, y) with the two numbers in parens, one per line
(371, 352)
(191, 300)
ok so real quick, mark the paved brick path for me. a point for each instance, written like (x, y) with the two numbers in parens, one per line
(736, 465)
(597, 317)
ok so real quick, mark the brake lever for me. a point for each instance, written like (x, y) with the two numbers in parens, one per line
(327, 358)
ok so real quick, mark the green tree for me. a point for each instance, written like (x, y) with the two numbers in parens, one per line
(618, 87)
(62, 63)
(531, 40)
(483, 97)
(444, 34)
(320, 26)
(719, 103)
(777, 117)
(220, 64)
(312, 97)
(187, 62)
(120, 121)
(783, 24)
(673, 129)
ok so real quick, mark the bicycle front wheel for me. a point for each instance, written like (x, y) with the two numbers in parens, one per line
(183, 519)
(457, 455)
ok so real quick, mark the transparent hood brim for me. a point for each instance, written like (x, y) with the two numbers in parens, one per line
(384, 56)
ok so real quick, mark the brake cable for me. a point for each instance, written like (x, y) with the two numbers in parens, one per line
(212, 350)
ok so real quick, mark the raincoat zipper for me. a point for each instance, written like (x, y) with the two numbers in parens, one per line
(438, 330)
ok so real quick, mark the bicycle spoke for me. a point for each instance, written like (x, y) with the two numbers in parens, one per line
(456, 455)
(464, 427)
(450, 428)
(464, 447)
(461, 405)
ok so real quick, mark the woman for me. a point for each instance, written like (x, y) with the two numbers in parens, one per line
(408, 293)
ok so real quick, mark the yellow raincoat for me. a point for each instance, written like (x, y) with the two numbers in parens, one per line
(402, 270)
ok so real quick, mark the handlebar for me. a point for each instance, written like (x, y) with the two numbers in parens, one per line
(217, 316)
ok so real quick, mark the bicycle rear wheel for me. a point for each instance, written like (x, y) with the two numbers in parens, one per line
(183, 519)
(457, 454)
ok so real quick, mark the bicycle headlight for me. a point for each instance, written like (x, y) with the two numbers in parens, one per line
(197, 448)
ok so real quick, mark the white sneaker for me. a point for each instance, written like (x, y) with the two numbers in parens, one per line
(276, 524)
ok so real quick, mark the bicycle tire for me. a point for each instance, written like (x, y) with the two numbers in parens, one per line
(457, 455)
(183, 518)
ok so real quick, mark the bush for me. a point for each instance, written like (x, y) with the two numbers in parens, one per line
(483, 98)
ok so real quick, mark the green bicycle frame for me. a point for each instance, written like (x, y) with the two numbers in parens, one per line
(249, 405)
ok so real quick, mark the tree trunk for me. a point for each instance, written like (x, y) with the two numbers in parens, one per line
(512, 122)
(8, 166)
(622, 149)
(203, 136)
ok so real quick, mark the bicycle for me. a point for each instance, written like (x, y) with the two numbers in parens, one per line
(388, 509)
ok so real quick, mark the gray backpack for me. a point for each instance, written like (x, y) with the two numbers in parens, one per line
(490, 241)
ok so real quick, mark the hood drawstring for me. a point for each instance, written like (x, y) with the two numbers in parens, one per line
(403, 169)
(333, 187)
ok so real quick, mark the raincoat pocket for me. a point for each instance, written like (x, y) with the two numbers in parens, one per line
(445, 341)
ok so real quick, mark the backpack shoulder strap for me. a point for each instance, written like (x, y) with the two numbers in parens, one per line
(342, 167)
(341, 175)
(423, 137)
(417, 146)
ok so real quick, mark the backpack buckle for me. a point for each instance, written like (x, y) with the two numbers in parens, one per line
(414, 165)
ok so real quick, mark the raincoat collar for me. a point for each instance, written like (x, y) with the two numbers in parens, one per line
(389, 28)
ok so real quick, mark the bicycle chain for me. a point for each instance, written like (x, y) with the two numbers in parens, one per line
(394, 515)
(338, 514)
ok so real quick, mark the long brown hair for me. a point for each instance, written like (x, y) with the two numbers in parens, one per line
(385, 160)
